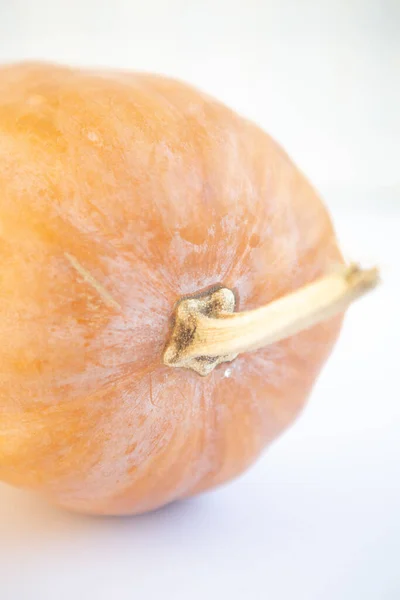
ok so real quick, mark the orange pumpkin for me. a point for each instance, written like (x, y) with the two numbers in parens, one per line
(120, 195)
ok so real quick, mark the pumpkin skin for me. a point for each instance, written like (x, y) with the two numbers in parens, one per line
(121, 193)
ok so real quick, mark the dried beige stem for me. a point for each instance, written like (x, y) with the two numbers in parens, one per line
(203, 337)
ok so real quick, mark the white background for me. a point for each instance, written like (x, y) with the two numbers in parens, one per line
(319, 516)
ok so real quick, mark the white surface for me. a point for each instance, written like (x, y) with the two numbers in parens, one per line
(318, 517)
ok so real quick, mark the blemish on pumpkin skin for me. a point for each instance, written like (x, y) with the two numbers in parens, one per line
(131, 448)
(36, 100)
(88, 278)
(93, 137)
(254, 240)
(195, 234)
(151, 397)
(141, 420)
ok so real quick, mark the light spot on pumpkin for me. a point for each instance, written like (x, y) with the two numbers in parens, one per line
(93, 137)
(36, 100)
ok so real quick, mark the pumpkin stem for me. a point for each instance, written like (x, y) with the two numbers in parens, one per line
(207, 331)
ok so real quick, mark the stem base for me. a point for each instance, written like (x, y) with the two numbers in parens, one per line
(185, 332)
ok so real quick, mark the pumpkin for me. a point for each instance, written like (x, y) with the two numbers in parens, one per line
(171, 286)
